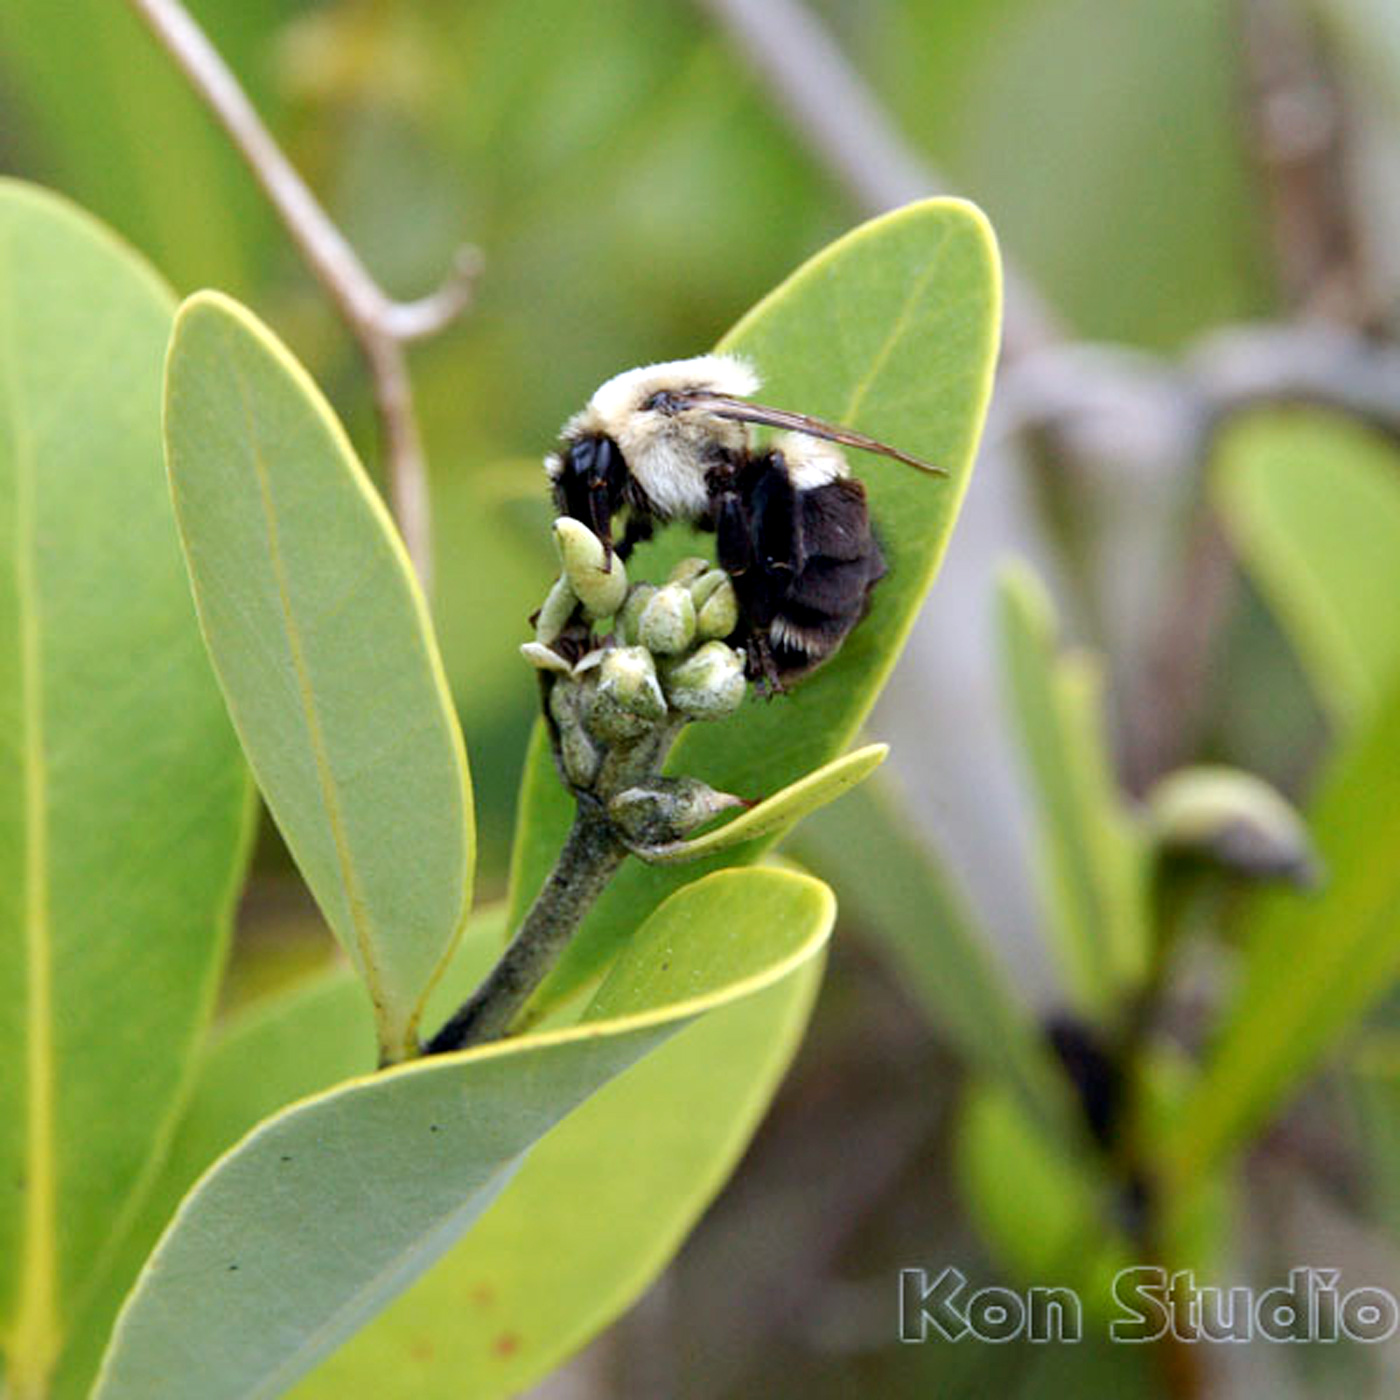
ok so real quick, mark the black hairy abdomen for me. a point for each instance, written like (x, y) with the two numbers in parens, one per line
(803, 564)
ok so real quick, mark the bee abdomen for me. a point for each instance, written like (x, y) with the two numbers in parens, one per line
(829, 591)
(823, 603)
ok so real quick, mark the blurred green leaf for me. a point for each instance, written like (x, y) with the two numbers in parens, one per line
(324, 649)
(1092, 852)
(893, 330)
(123, 799)
(1043, 1210)
(1312, 504)
(329, 1209)
(1103, 138)
(487, 570)
(891, 886)
(107, 116)
(1312, 964)
(1097, 1366)
(1069, 1216)
(1375, 1085)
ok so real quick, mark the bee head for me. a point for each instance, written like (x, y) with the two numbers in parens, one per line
(668, 443)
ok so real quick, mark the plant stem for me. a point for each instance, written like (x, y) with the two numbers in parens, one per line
(381, 325)
(590, 856)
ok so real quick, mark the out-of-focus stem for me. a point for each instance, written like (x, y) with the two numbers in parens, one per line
(381, 326)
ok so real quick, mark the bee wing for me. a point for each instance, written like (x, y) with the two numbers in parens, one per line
(722, 406)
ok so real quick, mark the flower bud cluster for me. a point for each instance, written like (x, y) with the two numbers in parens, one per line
(662, 661)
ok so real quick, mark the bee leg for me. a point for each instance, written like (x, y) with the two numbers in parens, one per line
(776, 519)
(761, 667)
(590, 486)
(600, 519)
(640, 528)
(733, 537)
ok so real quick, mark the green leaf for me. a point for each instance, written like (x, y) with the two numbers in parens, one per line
(302, 1040)
(566, 1248)
(325, 653)
(123, 799)
(890, 885)
(891, 330)
(329, 1209)
(1092, 855)
(101, 149)
(1312, 503)
(777, 813)
(1375, 1095)
(1312, 965)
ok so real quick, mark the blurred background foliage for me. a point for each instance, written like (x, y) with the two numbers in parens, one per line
(1160, 169)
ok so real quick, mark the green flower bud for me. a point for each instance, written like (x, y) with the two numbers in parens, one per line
(543, 658)
(688, 570)
(708, 685)
(667, 809)
(667, 623)
(627, 678)
(578, 755)
(719, 614)
(563, 702)
(705, 584)
(1233, 819)
(638, 596)
(600, 584)
(611, 723)
(581, 757)
(554, 615)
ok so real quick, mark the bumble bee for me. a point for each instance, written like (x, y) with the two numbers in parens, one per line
(673, 442)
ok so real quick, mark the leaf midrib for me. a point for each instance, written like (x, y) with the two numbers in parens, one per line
(897, 330)
(330, 797)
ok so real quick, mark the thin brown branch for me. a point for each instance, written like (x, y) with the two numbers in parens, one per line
(1068, 387)
(1301, 138)
(1101, 400)
(830, 107)
(381, 326)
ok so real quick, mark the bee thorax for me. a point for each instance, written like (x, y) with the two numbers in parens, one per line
(669, 462)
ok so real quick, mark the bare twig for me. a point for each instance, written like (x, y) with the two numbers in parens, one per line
(830, 107)
(380, 325)
(1298, 120)
(1067, 387)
